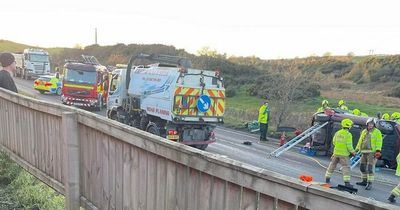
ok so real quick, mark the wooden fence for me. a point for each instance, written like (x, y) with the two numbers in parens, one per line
(102, 164)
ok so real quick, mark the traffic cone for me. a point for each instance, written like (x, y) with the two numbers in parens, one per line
(282, 139)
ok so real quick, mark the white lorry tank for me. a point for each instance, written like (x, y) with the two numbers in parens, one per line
(168, 94)
(183, 105)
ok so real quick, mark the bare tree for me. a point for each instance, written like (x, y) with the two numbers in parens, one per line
(286, 89)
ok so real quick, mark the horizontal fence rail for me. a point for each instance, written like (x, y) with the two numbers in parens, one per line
(102, 164)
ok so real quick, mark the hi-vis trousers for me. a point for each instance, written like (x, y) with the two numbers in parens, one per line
(344, 161)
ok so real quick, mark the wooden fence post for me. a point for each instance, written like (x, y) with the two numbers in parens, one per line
(71, 160)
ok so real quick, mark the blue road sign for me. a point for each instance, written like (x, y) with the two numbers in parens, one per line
(203, 103)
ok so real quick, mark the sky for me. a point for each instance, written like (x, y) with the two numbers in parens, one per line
(262, 28)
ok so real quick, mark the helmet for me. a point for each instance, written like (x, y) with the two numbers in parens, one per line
(356, 112)
(371, 120)
(325, 103)
(395, 115)
(386, 116)
(346, 123)
(340, 103)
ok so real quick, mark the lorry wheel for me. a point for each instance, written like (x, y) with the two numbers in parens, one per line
(41, 91)
(154, 130)
(113, 116)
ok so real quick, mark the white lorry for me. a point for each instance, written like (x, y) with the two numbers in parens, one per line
(172, 101)
(32, 63)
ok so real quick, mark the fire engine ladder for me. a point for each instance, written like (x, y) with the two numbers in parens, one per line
(297, 139)
(90, 59)
(184, 62)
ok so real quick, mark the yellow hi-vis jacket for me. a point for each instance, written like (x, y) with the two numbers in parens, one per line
(343, 107)
(376, 140)
(398, 165)
(263, 114)
(343, 143)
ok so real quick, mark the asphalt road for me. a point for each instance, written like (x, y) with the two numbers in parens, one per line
(291, 163)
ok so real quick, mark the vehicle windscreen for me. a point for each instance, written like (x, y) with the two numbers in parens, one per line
(80, 77)
(46, 79)
(39, 58)
(196, 80)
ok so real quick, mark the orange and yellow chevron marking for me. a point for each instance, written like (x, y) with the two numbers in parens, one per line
(178, 100)
(217, 97)
(221, 94)
(221, 108)
(187, 91)
(178, 90)
(191, 103)
(211, 93)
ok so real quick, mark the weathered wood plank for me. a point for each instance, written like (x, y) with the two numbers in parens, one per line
(105, 191)
(59, 151)
(170, 193)
(135, 176)
(285, 205)
(151, 181)
(205, 191)
(111, 173)
(83, 162)
(218, 194)
(266, 202)
(91, 164)
(249, 199)
(98, 184)
(192, 188)
(72, 186)
(126, 187)
(36, 152)
(119, 176)
(232, 198)
(143, 179)
(161, 182)
(181, 181)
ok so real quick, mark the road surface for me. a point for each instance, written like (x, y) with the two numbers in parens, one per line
(291, 163)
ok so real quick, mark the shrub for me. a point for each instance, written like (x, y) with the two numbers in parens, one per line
(395, 92)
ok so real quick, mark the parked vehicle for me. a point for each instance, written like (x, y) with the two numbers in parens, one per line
(168, 99)
(50, 84)
(85, 83)
(33, 63)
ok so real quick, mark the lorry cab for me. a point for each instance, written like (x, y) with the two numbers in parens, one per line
(36, 62)
(116, 91)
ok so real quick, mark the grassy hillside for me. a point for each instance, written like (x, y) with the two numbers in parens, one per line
(12, 46)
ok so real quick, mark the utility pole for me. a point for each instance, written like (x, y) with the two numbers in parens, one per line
(95, 36)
